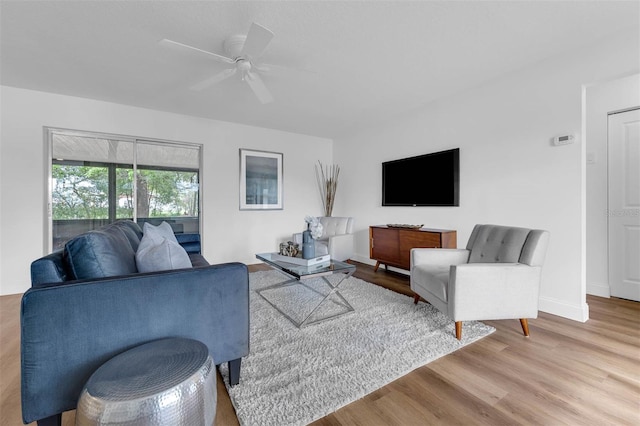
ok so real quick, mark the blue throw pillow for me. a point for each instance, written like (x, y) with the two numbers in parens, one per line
(100, 254)
(131, 230)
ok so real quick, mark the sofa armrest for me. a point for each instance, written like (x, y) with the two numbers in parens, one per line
(341, 246)
(438, 256)
(493, 291)
(69, 330)
(190, 242)
(297, 238)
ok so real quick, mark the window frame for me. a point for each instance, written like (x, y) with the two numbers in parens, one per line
(49, 133)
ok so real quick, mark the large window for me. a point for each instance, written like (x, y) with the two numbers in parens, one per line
(97, 179)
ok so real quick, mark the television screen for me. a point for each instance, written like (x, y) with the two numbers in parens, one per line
(426, 180)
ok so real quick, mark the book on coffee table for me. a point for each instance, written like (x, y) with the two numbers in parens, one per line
(298, 260)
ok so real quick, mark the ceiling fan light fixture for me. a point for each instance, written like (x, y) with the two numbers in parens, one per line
(243, 65)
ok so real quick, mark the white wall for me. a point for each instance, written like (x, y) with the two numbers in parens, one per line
(601, 99)
(228, 234)
(510, 172)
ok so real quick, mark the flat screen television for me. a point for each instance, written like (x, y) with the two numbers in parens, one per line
(426, 180)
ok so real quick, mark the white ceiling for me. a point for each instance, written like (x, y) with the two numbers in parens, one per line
(371, 60)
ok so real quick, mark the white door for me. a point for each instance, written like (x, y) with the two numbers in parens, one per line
(624, 204)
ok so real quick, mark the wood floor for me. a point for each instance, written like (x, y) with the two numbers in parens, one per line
(566, 373)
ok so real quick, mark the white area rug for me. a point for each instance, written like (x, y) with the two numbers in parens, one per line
(295, 376)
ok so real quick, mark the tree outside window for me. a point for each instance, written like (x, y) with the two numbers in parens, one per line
(88, 192)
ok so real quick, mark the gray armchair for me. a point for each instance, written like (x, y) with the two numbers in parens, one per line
(497, 276)
(337, 238)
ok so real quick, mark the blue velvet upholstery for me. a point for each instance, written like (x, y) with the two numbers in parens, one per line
(197, 260)
(49, 269)
(131, 230)
(190, 242)
(100, 254)
(70, 328)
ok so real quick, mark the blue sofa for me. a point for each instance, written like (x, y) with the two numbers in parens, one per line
(88, 303)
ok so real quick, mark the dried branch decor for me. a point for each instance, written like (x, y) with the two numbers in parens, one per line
(327, 178)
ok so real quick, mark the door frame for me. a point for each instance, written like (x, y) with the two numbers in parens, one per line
(600, 99)
(610, 208)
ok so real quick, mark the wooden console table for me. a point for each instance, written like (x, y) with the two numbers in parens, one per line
(392, 246)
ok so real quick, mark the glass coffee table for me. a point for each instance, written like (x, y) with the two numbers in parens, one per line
(309, 294)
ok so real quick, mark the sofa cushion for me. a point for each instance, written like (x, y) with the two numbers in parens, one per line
(131, 230)
(101, 253)
(433, 279)
(497, 244)
(321, 247)
(332, 225)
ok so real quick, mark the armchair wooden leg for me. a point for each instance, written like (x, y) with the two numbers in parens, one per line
(458, 330)
(416, 298)
(525, 326)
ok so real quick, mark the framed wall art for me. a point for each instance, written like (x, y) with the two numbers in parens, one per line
(260, 180)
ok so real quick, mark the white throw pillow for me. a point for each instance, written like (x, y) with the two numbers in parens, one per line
(159, 250)
(162, 256)
(153, 235)
(158, 232)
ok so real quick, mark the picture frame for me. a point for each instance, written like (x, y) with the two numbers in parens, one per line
(261, 177)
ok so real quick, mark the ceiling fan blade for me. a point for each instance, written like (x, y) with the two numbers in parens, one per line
(265, 68)
(258, 87)
(184, 47)
(257, 40)
(214, 79)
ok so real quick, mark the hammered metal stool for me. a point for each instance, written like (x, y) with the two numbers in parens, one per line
(164, 382)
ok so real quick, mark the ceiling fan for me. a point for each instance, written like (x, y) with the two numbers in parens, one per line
(243, 51)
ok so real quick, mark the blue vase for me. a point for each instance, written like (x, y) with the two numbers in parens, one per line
(308, 247)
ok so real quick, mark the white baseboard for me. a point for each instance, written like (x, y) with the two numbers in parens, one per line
(563, 309)
(362, 259)
(598, 289)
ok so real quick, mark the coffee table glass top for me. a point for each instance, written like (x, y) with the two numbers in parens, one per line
(302, 272)
(308, 295)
